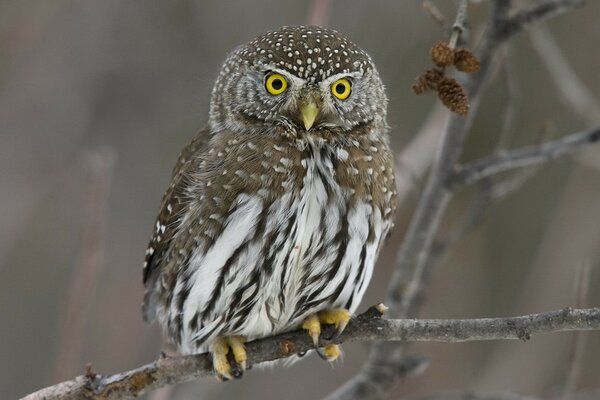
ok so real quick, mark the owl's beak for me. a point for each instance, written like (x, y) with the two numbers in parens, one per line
(308, 114)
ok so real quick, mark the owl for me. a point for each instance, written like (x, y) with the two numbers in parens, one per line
(277, 210)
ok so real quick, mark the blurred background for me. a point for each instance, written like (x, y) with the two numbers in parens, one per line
(98, 97)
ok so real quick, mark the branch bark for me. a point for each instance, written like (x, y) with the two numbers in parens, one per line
(368, 326)
(528, 156)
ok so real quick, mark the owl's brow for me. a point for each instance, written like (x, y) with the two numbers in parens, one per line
(325, 82)
(335, 77)
(271, 68)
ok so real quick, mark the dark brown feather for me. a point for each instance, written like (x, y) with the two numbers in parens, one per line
(171, 208)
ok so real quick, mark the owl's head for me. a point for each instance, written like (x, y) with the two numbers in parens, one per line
(301, 78)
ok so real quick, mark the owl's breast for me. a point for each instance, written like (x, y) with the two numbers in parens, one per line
(326, 243)
(303, 240)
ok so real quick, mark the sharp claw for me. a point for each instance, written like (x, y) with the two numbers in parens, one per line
(238, 373)
(224, 378)
(315, 340)
(321, 354)
(332, 352)
(340, 328)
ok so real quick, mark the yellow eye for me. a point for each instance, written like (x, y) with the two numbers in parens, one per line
(341, 88)
(276, 84)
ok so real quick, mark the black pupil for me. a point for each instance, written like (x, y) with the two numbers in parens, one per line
(277, 84)
(340, 88)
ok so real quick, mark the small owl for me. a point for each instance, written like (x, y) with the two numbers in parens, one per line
(277, 210)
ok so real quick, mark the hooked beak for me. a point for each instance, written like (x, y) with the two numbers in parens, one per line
(308, 114)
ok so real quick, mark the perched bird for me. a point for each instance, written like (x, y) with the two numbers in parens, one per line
(276, 211)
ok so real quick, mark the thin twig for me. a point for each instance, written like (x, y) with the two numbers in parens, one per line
(510, 110)
(318, 12)
(575, 94)
(538, 11)
(434, 12)
(572, 90)
(490, 192)
(460, 23)
(524, 157)
(365, 327)
(416, 157)
(98, 166)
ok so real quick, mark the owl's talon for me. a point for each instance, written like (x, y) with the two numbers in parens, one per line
(321, 353)
(220, 349)
(313, 326)
(332, 352)
(340, 328)
(336, 333)
(238, 373)
(339, 318)
(236, 343)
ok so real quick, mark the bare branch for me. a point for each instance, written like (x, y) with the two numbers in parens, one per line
(98, 165)
(573, 91)
(434, 13)
(460, 23)
(318, 12)
(416, 157)
(365, 327)
(378, 375)
(536, 12)
(524, 157)
(510, 110)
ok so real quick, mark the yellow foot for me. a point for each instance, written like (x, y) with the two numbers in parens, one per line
(339, 318)
(220, 349)
(332, 352)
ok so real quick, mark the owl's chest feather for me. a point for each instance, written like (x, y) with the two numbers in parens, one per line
(280, 257)
(304, 244)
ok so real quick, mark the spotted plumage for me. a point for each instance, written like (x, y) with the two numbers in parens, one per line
(278, 209)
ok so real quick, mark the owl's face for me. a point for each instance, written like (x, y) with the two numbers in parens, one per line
(300, 78)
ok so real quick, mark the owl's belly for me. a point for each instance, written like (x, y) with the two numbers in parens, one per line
(322, 255)
(279, 261)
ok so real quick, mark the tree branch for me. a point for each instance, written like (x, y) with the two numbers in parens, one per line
(527, 156)
(377, 377)
(368, 326)
(538, 11)
(572, 91)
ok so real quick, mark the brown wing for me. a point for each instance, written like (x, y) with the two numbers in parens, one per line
(165, 228)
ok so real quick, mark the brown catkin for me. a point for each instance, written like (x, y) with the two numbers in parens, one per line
(465, 60)
(441, 54)
(453, 95)
(427, 81)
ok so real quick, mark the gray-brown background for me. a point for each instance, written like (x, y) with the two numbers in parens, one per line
(133, 78)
